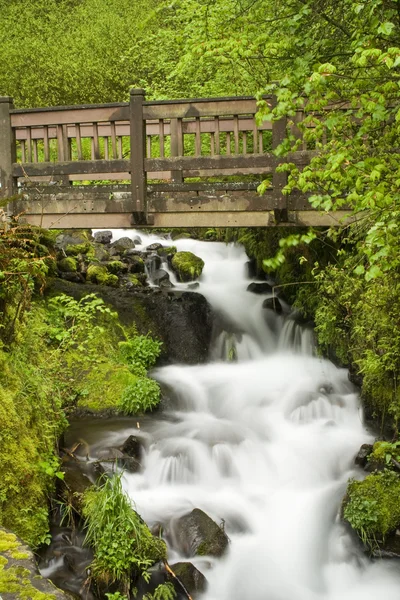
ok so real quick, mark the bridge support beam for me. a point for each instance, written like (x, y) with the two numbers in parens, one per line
(138, 153)
(8, 186)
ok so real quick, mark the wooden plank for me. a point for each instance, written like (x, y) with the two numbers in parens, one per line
(67, 115)
(211, 108)
(113, 140)
(236, 133)
(198, 138)
(35, 151)
(28, 145)
(176, 148)
(78, 141)
(138, 150)
(202, 186)
(210, 162)
(46, 147)
(83, 167)
(217, 137)
(96, 147)
(228, 143)
(161, 137)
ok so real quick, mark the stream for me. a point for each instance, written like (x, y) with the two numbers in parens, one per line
(264, 444)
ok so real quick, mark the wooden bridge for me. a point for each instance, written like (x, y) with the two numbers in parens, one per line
(180, 163)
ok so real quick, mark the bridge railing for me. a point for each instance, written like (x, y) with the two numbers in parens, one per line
(175, 146)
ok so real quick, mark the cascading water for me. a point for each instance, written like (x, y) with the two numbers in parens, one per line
(264, 444)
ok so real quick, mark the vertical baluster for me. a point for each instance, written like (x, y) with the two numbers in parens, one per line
(217, 138)
(120, 146)
(96, 148)
(148, 146)
(46, 143)
(106, 151)
(23, 151)
(60, 144)
(236, 132)
(113, 140)
(181, 145)
(176, 146)
(29, 144)
(35, 151)
(161, 137)
(244, 142)
(255, 136)
(212, 145)
(228, 142)
(78, 141)
(198, 137)
(260, 142)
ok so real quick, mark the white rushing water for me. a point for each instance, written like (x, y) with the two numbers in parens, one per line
(266, 445)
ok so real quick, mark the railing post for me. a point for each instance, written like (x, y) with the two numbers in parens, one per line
(176, 148)
(138, 152)
(8, 185)
(279, 180)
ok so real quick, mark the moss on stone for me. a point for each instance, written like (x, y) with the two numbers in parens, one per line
(135, 280)
(99, 274)
(165, 250)
(67, 264)
(104, 386)
(75, 249)
(372, 506)
(187, 266)
(116, 266)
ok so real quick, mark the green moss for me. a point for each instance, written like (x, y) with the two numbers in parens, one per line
(104, 385)
(116, 266)
(167, 250)
(187, 266)
(372, 506)
(67, 264)
(99, 274)
(75, 249)
(135, 281)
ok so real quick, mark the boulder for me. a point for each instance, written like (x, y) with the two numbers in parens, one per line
(19, 576)
(259, 288)
(100, 252)
(67, 265)
(74, 484)
(161, 278)
(122, 244)
(193, 580)
(111, 457)
(273, 304)
(71, 238)
(362, 457)
(136, 264)
(103, 237)
(133, 447)
(196, 534)
(187, 266)
(137, 240)
(154, 247)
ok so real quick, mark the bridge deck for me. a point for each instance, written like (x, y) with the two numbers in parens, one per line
(181, 163)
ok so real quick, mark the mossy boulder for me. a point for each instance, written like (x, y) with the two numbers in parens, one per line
(19, 577)
(198, 535)
(122, 244)
(116, 267)
(372, 507)
(75, 249)
(187, 266)
(99, 274)
(167, 250)
(67, 265)
(103, 387)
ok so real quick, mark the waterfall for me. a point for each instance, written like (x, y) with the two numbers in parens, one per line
(262, 438)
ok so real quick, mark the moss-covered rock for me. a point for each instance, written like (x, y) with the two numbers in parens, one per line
(187, 266)
(166, 250)
(372, 507)
(19, 578)
(117, 267)
(67, 264)
(99, 274)
(104, 386)
(75, 249)
(197, 534)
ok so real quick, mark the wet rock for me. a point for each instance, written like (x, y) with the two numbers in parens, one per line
(160, 277)
(122, 244)
(137, 240)
(133, 447)
(74, 484)
(103, 237)
(391, 547)
(183, 321)
(197, 534)
(136, 264)
(111, 457)
(259, 288)
(193, 580)
(362, 457)
(273, 304)
(18, 570)
(154, 247)
(74, 277)
(153, 262)
(100, 252)
(251, 268)
(187, 266)
(73, 238)
(193, 286)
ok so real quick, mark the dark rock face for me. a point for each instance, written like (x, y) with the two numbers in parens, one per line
(193, 580)
(122, 244)
(273, 304)
(103, 237)
(197, 534)
(362, 457)
(154, 247)
(259, 288)
(133, 447)
(161, 277)
(182, 320)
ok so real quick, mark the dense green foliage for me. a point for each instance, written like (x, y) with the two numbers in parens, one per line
(372, 506)
(123, 545)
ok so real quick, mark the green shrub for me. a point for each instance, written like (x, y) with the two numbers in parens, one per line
(123, 544)
(140, 396)
(141, 349)
(372, 506)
